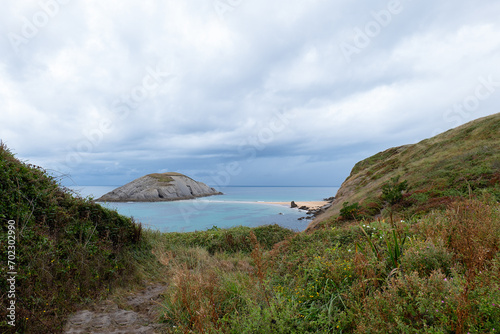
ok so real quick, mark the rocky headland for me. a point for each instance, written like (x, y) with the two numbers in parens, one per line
(159, 187)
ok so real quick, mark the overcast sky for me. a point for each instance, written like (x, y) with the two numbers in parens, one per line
(239, 92)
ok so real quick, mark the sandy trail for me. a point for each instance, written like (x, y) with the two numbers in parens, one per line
(139, 315)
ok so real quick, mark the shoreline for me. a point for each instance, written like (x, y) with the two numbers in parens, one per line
(302, 205)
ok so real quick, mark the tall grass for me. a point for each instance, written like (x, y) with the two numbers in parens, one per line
(322, 283)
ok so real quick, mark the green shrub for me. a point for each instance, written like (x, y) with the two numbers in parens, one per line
(419, 197)
(350, 211)
(68, 249)
(232, 240)
(392, 191)
(485, 300)
(411, 304)
(426, 257)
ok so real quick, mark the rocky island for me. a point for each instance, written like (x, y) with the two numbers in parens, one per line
(159, 187)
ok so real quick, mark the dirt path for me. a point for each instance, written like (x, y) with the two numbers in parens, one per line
(137, 316)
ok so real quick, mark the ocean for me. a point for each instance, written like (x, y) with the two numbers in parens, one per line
(238, 206)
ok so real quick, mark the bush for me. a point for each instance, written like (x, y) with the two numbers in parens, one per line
(411, 304)
(68, 249)
(232, 240)
(350, 211)
(392, 192)
(425, 258)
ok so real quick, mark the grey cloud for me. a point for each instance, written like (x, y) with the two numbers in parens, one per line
(80, 89)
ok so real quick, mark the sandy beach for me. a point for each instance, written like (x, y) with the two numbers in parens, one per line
(314, 205)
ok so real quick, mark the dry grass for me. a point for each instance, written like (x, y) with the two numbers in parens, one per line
(473, 233)
(203, 287)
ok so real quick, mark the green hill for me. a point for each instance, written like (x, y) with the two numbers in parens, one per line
(66, 250)
(456, 163)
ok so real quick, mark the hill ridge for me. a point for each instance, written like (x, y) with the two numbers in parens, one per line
(445, 165)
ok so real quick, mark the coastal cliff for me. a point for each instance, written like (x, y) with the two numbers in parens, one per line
(457, 163)
(159, 187)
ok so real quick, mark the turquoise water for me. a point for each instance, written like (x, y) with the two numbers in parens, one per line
(238, 206)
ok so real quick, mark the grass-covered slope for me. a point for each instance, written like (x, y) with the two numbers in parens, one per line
(456, 163)
(427, 263)
(68, 250)
(436, 274)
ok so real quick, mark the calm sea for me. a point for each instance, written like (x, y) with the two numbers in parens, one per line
(238, 206)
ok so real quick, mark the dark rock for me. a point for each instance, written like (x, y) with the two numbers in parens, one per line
(326, 206)
(293, 205)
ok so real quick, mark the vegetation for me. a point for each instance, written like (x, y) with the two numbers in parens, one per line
(69, 250)
(236, 239)
(165, 178)
(350, 211)
(370, 277)
(458, 163)
(392, 192)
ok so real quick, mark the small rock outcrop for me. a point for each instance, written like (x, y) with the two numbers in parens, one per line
(159, 187)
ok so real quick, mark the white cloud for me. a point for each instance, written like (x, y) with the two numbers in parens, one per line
(228, 77)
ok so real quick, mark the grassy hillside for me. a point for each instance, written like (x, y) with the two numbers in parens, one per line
(433, 268)
(457, 163)
(437, 274)
(68, 250)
